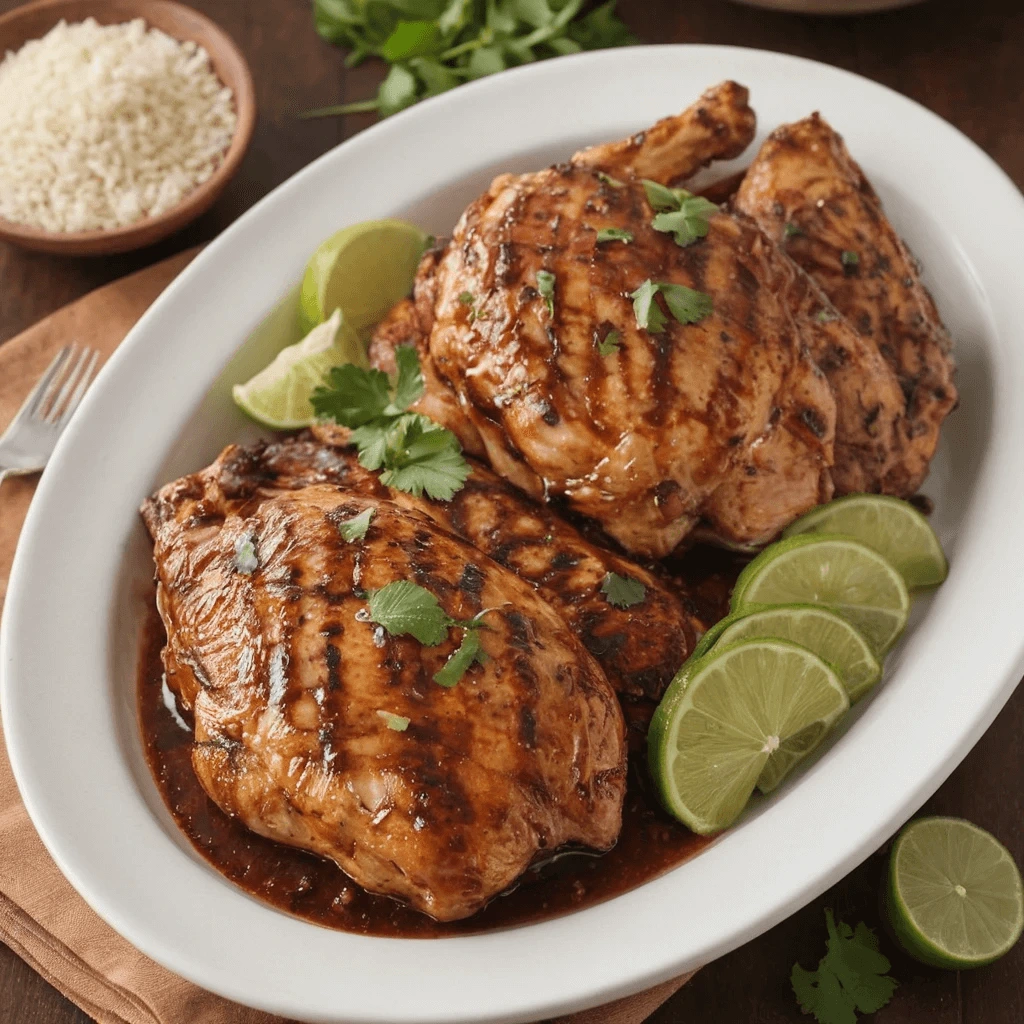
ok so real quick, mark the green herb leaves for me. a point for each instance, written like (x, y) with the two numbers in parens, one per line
(622, 591)
(682, 214)
(245, 560)
(546, 289)
(407, 608)
(849, 258)
(355, 529)
(851, 977)
(685, 304)
(614, 235)
(435, 45)
(611, 342)
(399, 723)
(414, 452)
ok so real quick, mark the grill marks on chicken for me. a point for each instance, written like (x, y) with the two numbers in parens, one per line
(672, 429)
(285, 680)
(805, 177)
(639, 648)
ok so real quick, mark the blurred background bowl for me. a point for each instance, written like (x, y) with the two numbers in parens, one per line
(183, 23)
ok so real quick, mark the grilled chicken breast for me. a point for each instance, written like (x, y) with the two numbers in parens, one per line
(892, 373)
(726, 424)
(290, 687)
(639, 648)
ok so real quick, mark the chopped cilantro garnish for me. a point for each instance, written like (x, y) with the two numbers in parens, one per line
(685, 304)
(403, 607)
(466, 298)
(614, 235)
(791, 230)
(681, 214)
(546, 289)
(245, 560)
(826, 316)
(622, 591)
(397, 722)
(851, 977)
(607, 179)
(850, 258)
(611, 342)
(355, 529)
(414, 452)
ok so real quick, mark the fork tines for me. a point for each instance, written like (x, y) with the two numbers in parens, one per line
(64, 384)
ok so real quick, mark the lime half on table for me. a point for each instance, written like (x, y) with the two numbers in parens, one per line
(894, 528)
(363, 270)
(824, 632)
(278, 396)
(838, 572)
(741, 717)
(954, 894)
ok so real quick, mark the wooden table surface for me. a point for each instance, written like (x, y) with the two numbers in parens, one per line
(963, 60)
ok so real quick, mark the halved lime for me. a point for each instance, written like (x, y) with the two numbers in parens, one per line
(827, 634)
(742, 716)
(278, 396)
(954, 894)
(831, 570)
(894, 528)
(363, 270)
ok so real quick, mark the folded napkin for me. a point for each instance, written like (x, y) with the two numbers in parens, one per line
(41, 917)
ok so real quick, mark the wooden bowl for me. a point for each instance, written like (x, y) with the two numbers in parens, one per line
(36, 19)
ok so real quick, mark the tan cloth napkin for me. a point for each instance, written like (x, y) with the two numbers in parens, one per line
(41, 917)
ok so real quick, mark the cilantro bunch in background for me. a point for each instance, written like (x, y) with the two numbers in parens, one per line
(435, 45)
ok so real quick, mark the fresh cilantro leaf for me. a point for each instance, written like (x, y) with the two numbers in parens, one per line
(661, 197)
(409, 383)
(422, 456)
(437, 77)
(455, 16)
(791, 230)
(397, 91)
(685, 304)
(611, 342)
(411, 39)
(404, 607)
(826, 316)
(607, 179)
(399, 723)
(468, 652)
(849, 258)
(353, 396)
(466, 298)
(851, 977)
(647, 312)
(355, 529)
(371, 443)
(487, 60)
(614, 235)
(623, 591)
(689, 222)
(601, 29)
(546, 289)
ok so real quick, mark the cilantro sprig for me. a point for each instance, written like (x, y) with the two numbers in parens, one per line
(407, 608)
(681, 214)
(435, 45)
(686, 305)
(851, 977)
(414, 453)
(622, 591)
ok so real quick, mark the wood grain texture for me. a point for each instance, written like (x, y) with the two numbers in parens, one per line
(961, 60)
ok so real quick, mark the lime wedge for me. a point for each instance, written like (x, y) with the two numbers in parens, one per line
(278, 396)
(841, 573)
(892, 527)
(363, 270)
(743, 716)
(954, 894)
(821, 631)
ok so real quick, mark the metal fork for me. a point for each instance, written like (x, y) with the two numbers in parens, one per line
(28, 442)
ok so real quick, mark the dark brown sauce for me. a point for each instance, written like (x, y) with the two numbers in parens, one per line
(315, 889)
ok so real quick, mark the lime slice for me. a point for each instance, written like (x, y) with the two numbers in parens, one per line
(827, 634)
(954, 894)
(841, 573)
(278, 396)
(363, 270)
(892, 527)
(742, 716)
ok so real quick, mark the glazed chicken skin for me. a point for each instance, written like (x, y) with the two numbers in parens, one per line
(893, 378)
(290, 686)
(724, 425)
(639, 648)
